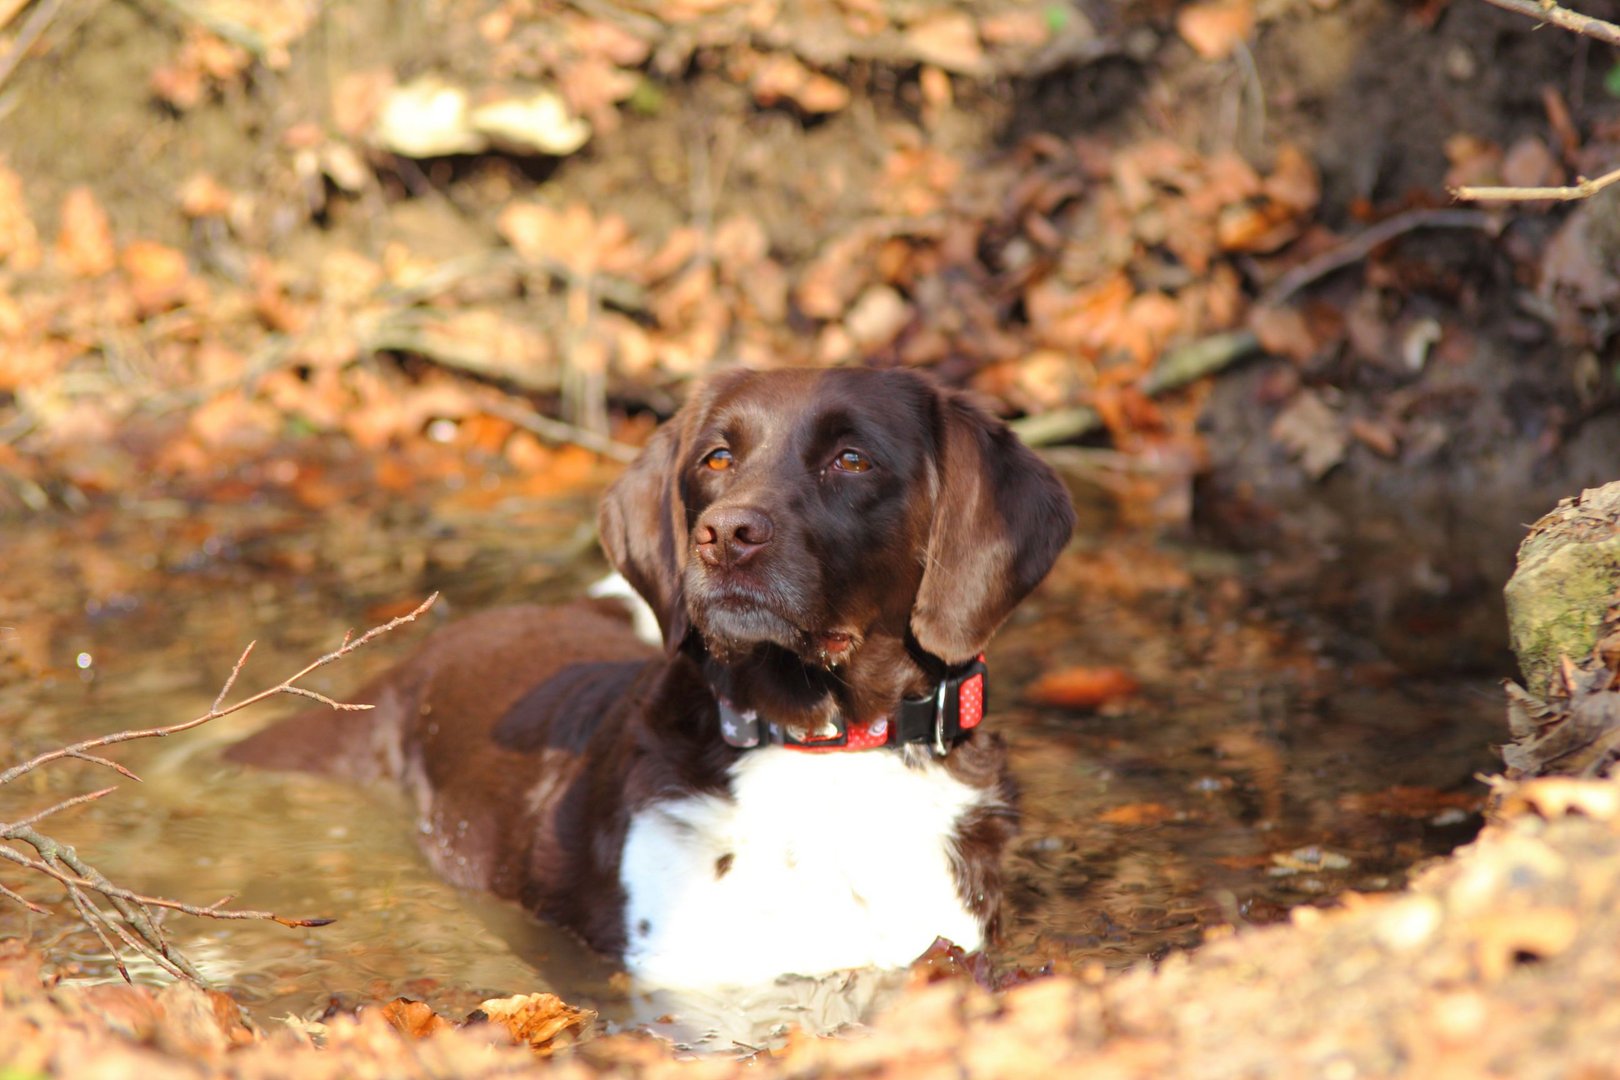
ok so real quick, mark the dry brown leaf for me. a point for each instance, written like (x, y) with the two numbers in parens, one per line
(414, 1018)
(1283, 332)
(947, 39)
(681, 245)
(917, 180)
(1503, 938)
(1027, 27)
(1528, 163)
(132, 1011)
(157, 274)
(84, 245)
(1379, 436)
(1573, 262)
(1294, 181)
(573, 238)
(230, 420)
(1313, 432)
(780, 77)
(936, 89)
(544, 1021)
(1216, 182)
(357, 100)
(19, 240)
(830, 282)
(1041, 380)
(1081, 687)
(1259, 226)
(203, 196)
(1473, 161)
(1145, 813)
(199, 1024)
(739, 242)
(203, 62)
(877, 317)
(601, 37)
(1215, 27)
(1556, 796)
(592, 85)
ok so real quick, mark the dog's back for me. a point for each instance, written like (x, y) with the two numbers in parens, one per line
(491, 706)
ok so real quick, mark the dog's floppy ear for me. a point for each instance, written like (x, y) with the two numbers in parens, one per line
(642, 523)
(1001, 516)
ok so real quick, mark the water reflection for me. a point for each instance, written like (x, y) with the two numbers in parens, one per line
(1255, 771)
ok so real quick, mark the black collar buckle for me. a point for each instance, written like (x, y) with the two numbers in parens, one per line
(944, 718)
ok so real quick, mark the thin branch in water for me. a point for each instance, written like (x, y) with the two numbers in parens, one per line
(138, 925)
(1581, 189)
(211, 911)
(316, 695)
(92, 917)
(77, 750)
(96, 759)
(24, 901)
(230, 680)
(35, 819)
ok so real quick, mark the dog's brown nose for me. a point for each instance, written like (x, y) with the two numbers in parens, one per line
(731, 535)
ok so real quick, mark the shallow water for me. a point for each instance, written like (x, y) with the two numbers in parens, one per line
(1262, 765)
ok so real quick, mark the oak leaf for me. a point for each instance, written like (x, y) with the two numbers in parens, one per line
(544, 1021)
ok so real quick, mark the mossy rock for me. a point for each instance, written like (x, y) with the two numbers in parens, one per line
(1567, 581)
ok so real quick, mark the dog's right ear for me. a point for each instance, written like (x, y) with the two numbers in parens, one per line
(642, 523)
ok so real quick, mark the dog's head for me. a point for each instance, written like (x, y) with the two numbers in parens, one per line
(802, 517)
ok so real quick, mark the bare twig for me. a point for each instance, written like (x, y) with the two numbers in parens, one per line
(212, 911)
(24, 901)
(230, 680)
(137, 926)
(227, 29)
(77, 750)
(1176, 368)
(556, 431)
(1361, 245)
(1583, 188)
(1548, 12)
(27, 34)
(77, 800)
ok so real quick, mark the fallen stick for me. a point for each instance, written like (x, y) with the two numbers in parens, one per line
(1581, 189)
(1361, 245)
(138, 927)
(1176, 368)
(1548, 12)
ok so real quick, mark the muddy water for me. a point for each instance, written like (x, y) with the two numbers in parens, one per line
(1263, 763)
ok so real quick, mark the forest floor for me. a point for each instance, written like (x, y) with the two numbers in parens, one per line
(1204, 252)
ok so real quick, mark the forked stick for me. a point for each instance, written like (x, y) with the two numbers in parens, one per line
(138, 926)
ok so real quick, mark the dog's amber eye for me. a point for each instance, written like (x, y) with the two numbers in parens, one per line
(718, 460)
(851, 461)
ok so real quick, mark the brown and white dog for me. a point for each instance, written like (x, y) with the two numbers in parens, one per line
(797, 783)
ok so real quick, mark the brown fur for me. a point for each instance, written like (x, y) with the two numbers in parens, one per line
(806, 591)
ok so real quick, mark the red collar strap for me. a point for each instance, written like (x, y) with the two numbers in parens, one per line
(940, 720)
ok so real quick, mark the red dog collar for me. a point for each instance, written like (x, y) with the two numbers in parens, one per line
(942, 720)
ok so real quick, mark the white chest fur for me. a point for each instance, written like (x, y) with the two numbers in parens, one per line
(818, 862)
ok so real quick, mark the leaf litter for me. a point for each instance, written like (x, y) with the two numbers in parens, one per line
(187, 347)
